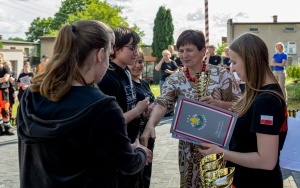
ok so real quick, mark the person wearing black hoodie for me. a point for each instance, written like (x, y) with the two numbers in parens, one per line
(70, 134)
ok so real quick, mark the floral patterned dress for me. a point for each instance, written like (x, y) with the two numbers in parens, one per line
(221, 86)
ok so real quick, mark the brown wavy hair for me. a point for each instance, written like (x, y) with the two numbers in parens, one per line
(254, 53)
(72, 51)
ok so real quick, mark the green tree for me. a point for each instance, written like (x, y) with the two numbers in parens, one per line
(162, 32)
(16, 39)
(68, 7)
(39, 27)
(101, 10)
(1, 45)
(220, 48)
(73, 10)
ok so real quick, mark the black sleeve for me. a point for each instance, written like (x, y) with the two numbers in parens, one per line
(110, 86)
(268, 115)
(110, 140)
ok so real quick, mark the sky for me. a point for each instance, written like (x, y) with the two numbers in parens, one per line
(16, 15)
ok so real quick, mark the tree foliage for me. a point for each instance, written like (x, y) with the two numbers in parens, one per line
(39, 27)
(162, 32)
(73, 10)
(16, 39)
(98, 10)
(68, 7)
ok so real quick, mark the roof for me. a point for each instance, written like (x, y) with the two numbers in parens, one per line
(150, 59)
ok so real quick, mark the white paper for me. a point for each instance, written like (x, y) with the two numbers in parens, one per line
(25, 80)
(290, 153)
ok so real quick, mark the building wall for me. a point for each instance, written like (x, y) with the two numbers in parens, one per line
(271, 33)
(29, 48)
(16, 58)
(47, 43)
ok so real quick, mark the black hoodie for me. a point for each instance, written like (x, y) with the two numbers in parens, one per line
(80, 141)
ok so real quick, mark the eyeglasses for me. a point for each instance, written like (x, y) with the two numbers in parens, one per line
(135, 49)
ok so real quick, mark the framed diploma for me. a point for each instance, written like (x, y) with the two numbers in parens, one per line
(198, 122)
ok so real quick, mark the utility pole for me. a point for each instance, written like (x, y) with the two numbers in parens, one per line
(206, 23)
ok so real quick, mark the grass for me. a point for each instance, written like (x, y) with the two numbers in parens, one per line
(155, 89)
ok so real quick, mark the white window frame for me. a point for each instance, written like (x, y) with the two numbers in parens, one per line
(291, 47)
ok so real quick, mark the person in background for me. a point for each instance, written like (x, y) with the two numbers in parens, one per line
(117, 82)
(11, 89)
(5, 128)
(211, 57)
(166, 66)
(70, 133)
(42, 64)
(221, 91)
(34, 70)
(278, 63)
(226, 60)
(24, 79)
(261, 127)
(174, 56)
(142, 91)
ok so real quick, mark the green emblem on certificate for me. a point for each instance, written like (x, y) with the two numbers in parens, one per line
(197, 121)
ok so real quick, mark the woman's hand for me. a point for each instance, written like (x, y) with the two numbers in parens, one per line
(142, 106)
(208, 149)
(212, 101)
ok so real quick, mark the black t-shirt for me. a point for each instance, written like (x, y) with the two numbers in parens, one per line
(266, 115)
(226, 61)
(177, 60)
(143, 90)
(171, 66)
(116, 83)
(215, 60)
(5, 70)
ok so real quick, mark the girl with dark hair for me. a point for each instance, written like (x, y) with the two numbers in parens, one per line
(117, 82)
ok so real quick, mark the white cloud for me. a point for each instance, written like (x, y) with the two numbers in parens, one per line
(16, 15)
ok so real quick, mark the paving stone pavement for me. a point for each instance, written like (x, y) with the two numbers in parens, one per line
(165, 169)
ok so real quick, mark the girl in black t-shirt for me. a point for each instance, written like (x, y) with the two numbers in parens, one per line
(24, 79)
(261, 128)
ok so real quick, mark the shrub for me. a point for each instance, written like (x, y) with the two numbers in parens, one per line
(293, 71)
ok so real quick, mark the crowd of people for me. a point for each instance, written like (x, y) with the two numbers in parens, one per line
(12, 88)
(107, 139)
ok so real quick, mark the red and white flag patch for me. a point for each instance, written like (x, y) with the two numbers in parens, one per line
(266, 120)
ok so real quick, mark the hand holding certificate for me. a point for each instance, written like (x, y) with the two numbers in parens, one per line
(25, 80)
(198, 122)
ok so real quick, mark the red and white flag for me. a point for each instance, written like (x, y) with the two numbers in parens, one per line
(266, 120)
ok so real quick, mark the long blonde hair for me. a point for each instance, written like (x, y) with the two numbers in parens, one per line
(72, 51)
(254, 53)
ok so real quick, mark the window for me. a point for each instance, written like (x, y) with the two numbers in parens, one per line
(12, 48)
(289, 29)
(290, 47)
(254, 30)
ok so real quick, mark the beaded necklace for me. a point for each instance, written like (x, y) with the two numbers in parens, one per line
(188, 76)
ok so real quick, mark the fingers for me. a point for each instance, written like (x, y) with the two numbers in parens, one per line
(144, 140)
(149, 156)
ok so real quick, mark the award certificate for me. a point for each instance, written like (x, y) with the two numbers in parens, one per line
(198, 122)
(25, 80)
